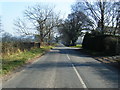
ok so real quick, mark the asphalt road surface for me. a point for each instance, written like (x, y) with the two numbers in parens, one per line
(64, 67)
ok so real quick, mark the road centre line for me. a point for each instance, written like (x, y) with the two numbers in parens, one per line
(80, 78)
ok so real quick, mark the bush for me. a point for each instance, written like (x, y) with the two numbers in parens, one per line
(102, 43)
(14, 47)
(110, 44)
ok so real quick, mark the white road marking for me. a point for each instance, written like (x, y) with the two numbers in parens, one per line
(68, 57)
(80, 78)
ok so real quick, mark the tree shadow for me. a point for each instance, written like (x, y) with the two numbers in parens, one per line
(70, 51)
(98, 68)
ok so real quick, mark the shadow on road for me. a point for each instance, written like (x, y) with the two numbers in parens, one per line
(100, 69)
(70, 51)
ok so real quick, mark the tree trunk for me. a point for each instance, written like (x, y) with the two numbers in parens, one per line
(117, 25)
(49, 38)
(102, 8)
(73, 43)
(102, 21)
(41, 42)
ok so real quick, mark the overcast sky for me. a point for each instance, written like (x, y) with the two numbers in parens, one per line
(11, 10)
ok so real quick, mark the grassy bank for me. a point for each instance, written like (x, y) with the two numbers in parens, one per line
(77, 46)
(11, 62)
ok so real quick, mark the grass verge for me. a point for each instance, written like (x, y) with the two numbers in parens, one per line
(77, 46)
(11, 62)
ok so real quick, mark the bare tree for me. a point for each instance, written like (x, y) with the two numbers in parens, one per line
(117, 27)
(71, 28)
(42, 19)
(102, 12)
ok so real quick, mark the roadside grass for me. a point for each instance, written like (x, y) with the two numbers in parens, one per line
(11, 62)
(77, 46)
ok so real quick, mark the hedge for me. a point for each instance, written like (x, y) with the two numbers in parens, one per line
(102, 43)
(13, 47)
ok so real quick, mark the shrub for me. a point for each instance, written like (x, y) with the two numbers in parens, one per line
(110, 44)
(102, 43)
(14, 47)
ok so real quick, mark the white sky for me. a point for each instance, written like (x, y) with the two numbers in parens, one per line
(12, 9)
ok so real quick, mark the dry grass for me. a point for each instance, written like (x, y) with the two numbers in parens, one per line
(11, 62)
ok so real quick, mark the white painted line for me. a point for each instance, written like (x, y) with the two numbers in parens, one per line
(68, 57)
(80, 78)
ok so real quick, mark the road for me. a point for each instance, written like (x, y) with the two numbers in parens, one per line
(64, 67)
